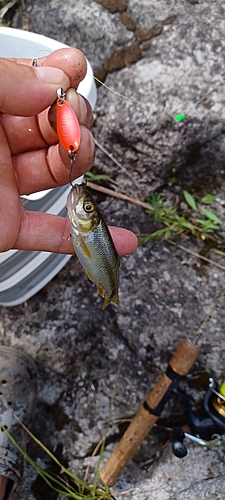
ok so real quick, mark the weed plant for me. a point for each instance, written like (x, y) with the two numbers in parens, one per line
(196, 220)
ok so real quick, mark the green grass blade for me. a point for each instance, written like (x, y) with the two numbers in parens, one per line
(60, 486)
(96, 177)
(219, 252)
(190, 200)
(211, 215)
(207, 198)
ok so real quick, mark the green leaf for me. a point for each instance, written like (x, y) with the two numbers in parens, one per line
(190, 200)
(207, 198)
(207, 225)
(211, 215)
(96, 177)
(186, 224)
(219, 252)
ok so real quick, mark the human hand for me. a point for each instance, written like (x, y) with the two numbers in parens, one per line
(31, 158)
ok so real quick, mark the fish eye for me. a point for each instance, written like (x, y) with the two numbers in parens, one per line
(89, 206)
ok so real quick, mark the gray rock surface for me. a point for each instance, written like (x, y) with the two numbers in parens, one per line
(167, 55)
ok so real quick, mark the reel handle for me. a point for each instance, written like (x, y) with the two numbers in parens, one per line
(180, 364)
(178, 447)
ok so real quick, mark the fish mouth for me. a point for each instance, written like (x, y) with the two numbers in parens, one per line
(74, 196)
(79, 189)
(77, 192)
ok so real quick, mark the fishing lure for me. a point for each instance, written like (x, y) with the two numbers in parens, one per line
(68, 128)
(67, 125)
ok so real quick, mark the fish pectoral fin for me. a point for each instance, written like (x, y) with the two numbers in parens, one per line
(101, 290)
(113, 298)
(85, 250)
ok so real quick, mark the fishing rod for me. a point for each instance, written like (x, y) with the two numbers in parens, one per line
(205, 428)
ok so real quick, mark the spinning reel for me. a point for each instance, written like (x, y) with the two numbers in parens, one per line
(206, 427)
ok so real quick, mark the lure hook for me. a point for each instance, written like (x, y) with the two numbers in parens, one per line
(72, 161)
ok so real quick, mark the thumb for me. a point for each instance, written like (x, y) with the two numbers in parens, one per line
(26, 91)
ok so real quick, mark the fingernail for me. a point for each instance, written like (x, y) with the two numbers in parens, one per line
(50, 75)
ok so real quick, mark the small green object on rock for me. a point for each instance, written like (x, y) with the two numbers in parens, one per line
(180, 117)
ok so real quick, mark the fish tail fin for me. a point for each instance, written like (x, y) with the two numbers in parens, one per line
(113, 298)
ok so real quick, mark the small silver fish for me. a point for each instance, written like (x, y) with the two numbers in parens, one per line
(93, 243)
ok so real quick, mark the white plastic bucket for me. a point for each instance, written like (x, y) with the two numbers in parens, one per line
(22, 274)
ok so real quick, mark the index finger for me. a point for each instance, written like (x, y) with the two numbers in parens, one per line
(51, 233)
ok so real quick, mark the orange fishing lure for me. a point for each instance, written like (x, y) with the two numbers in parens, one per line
(68, 128)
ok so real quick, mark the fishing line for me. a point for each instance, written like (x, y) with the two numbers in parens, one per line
(209, 92)
(205, 324)
(135, 101)
(177, 118)
(46, 51)
(34, 61)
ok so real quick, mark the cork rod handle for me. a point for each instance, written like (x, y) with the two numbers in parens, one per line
(181, 362)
